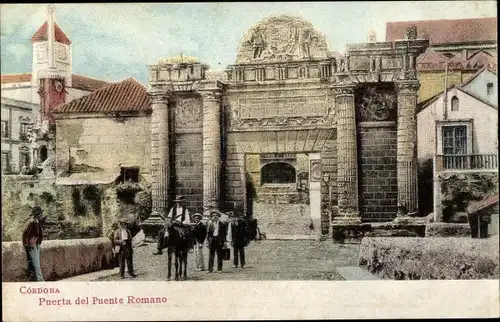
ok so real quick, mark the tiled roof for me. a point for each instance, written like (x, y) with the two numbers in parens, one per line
(15, 78)
(438, 31)
(41, 34)
(431, 59)
(126, 96)
(481, 59)
(77, 81)
(86, 83)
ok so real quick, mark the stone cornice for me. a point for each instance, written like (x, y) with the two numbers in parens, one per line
(344, 90)
(408, 87)
(159, 96)
(211, 95)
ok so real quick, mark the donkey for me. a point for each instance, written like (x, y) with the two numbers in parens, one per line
(177, 240)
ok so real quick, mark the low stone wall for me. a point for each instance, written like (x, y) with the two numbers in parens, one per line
(442, 229)
(59, 258)
(416, 258)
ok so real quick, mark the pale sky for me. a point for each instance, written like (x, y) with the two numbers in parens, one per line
(116, 41)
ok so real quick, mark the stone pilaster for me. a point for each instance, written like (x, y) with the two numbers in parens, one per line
(347, 155)
(211, 148)
(407, 163)
(160, 161)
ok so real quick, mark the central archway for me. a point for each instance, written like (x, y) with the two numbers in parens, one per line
(277, 172)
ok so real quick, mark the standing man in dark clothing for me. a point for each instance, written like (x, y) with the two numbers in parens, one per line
(32, 240)
(216, 238)
(123, 241)
(238, 234)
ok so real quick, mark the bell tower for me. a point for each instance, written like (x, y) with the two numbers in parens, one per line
(52, 80)
(51, 51)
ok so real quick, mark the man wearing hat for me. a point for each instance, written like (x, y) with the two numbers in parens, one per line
(200, 232)
(178, 214)
(122, 239)
(237, 235)
(216, 238)
(32, 240)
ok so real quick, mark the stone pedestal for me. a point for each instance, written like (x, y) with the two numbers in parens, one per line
(211, 148)
(347, 153)
(160, 163)
(407, 163)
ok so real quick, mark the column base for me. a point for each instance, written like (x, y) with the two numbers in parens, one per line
(152, 227)
(348, 229)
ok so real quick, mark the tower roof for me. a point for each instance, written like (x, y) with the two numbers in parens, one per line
(41, 34)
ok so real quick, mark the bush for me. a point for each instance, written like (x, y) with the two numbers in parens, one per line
(403, 258)
(126, 191)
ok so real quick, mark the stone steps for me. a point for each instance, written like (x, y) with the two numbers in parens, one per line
(280, 220)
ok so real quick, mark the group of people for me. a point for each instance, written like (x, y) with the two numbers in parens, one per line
(215, 230)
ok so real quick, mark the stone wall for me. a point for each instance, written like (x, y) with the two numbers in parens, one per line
(378, 176)
(73, 211)
(59, 258)
(103, 144)
(234, 185)
(416, 258)
(189, 169)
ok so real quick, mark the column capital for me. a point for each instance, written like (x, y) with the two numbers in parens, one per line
(159, 96)
(344, 90)
(211, 95)
(409, 87)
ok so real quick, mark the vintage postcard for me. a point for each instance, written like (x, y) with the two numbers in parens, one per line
(227, 161)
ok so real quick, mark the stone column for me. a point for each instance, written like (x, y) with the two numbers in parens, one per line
(211, 148)
(160, 161)
(347, 156)
(407, 162)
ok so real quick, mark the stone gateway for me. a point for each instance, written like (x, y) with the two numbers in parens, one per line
(290, 128)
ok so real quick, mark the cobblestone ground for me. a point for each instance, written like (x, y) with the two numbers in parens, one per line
(265, 260)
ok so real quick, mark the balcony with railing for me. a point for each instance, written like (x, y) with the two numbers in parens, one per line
(466, 162)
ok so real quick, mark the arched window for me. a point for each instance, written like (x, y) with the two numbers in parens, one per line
(454, 103)
(43, 153)
(278, 172)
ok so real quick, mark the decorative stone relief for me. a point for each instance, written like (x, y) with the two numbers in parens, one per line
(376, 104)
(282, 111)
(188, 113)
(282, 38)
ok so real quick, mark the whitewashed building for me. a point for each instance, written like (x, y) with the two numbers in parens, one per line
(462, 122)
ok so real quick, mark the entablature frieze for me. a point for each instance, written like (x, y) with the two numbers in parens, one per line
(159, 96)
(407, 87)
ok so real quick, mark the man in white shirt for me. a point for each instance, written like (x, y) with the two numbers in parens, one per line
(123, 241)
(178, 214)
